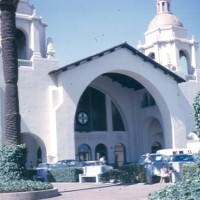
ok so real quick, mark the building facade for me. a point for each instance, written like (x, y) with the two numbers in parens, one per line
(119, 103)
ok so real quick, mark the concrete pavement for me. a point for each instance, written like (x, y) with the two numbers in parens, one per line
(105, 191)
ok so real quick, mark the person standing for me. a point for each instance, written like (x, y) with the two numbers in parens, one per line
(149, 168)
(102, 160)
(171, 173)
(163, 173)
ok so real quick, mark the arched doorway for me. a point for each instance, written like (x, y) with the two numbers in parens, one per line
(155, 147)
(120, 158)
(39, 156)
(21, 45)
(184, 62)
(84, 152)
(36, 149)
(101, 151)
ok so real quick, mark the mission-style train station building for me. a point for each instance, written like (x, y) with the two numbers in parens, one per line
(120, 103)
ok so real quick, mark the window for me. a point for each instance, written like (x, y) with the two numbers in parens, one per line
(21, 44)
(117, 121)
(120, 157)
(147, 100)
(183, 62)
(101, 151)
(84, 152)
(91, 111)
(152, 56)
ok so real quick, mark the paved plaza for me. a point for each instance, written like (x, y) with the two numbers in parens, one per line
(105, 191)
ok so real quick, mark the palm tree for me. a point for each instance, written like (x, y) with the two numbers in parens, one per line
(10, 67)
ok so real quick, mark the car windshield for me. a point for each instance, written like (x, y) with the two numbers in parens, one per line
(182, 158)
(154, 158)
(44, 165)
(90, 163)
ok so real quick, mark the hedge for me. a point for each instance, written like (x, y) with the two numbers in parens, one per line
(13, 174)
(64, 175)
(188, 189)
(12, 162)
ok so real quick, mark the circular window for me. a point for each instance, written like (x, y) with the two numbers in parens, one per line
(82, 118)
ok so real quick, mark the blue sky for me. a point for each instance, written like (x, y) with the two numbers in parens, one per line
(80, 28)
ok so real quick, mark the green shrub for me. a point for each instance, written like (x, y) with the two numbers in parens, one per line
(191, 171)
(112, 174)
(13, 173)
(186, 190)
(64, 175)
(12, 162)
(132, 173)
(196, 107)
(23, 186)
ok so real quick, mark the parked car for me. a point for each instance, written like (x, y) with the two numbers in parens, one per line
(158, 160)
(44, 165)
(173, 151)
(90, 163)
(178, 161)
(67, 163)
(183, 158)
(96, 163)
(42, 171)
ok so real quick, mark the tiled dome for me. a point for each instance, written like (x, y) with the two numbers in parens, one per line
(164, 19)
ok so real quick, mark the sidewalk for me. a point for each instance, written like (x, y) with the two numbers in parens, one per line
(105, 191)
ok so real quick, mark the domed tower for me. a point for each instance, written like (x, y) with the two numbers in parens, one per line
(166, 41)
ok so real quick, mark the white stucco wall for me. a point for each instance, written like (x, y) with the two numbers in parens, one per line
(34, 98)
(121, 61)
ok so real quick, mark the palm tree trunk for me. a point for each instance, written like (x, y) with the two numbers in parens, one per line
(10, 66)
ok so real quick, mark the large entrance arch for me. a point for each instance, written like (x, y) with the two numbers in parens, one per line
(112, 72)
(123, 103)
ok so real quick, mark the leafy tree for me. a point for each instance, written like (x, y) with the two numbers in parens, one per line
(10, 67)
(196, 106)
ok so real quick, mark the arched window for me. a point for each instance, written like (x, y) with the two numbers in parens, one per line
(155, 147)
(152, 56)
(21, 44)
(91, 111)
(39, 156)
(120, 156)
(147, 100)
(101, 151)
(117, 121)
(84, 152)
(183, 62)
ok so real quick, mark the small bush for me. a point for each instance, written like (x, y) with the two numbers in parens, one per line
(132, 173)
(13, 173)
(191, 171)
(112, 174)
(23, 186)
(186, 190)
(64, 175)
(12, 162)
